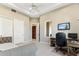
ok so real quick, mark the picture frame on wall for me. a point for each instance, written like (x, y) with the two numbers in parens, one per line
(64, 26)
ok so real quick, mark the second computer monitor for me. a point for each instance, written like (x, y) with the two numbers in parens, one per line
(73, 36)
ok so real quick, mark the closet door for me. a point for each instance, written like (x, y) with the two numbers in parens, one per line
(0, 27)
(18, 31)
(5, 27)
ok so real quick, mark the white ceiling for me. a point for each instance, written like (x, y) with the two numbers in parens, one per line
(41, 7)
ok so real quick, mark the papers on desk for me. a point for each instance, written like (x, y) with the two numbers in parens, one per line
(74, 42)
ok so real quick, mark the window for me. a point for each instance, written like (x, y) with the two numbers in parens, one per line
(48, 28)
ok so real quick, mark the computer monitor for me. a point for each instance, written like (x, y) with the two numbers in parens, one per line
(73, 36)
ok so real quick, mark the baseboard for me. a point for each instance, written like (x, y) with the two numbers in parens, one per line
(24, 43)
(44, 42)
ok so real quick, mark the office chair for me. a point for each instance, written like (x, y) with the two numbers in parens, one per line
(61, 41)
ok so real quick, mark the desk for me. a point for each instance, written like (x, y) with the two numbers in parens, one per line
(72, 45)
(52, 41)
(69, 45)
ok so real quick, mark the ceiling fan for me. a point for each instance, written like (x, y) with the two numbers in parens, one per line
(34, 9)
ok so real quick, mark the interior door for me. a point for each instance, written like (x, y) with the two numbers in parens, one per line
(33, 32)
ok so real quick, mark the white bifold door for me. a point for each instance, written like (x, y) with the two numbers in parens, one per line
(14, 29)
(5, 27)
(18, 31)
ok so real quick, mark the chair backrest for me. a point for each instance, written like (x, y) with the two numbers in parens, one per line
(61, 40)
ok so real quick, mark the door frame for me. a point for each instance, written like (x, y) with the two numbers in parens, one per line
(37, 30)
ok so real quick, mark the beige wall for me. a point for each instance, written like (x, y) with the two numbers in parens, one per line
(66, 14)
(6, 12)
